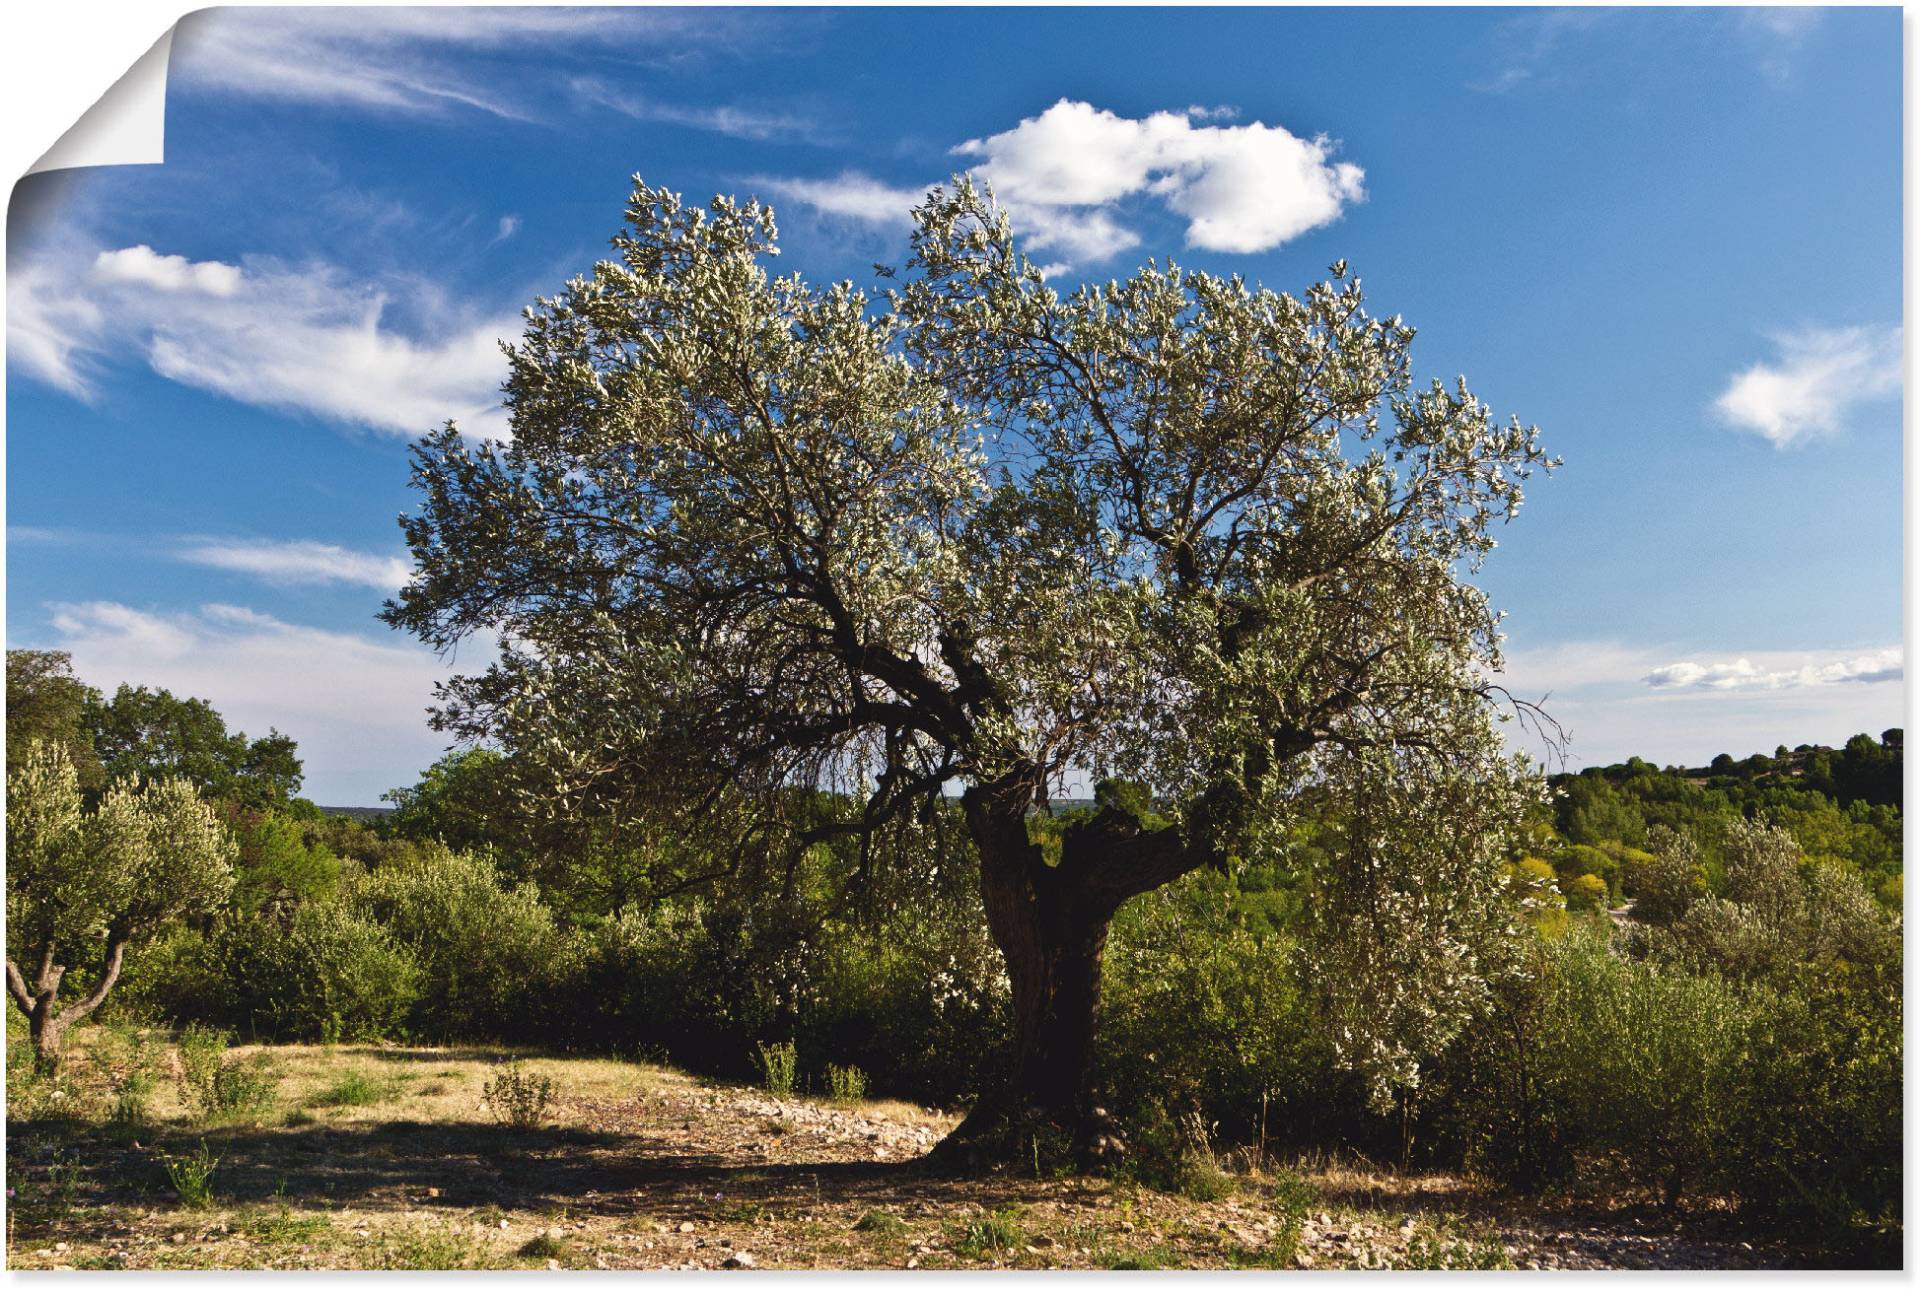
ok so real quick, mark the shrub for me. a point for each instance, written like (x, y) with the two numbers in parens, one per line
(217, 1087)
(779, 1066)
(517, 1097)
(484, 951)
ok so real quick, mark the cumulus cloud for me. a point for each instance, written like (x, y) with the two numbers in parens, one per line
(300, 562)
(1242, 188)
(1743, 674)
(1064, 174)
(307, 339)
(1819, 377)
(355, 703)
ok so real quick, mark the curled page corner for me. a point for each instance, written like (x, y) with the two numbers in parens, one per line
(126, 126)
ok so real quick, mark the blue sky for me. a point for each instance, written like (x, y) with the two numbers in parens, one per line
(1671, 238)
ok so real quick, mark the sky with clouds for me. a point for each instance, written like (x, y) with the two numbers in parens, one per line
(1671, 238)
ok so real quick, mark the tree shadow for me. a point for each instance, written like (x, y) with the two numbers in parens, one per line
(463, 1166)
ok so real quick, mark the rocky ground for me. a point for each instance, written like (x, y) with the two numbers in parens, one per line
(642, 1167)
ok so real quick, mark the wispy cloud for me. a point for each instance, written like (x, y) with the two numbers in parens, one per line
(418, 61)
(1743, 674)
(736, 121)
(299, 562)
(1525, 46)
(1776, 34)
(1676, 706)
(850, 194)
(1818, 378)
(307, 339)
(356, 704)
(1064, 174)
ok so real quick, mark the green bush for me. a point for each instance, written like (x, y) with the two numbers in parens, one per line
(484, 951)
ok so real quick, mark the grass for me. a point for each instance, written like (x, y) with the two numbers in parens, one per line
(991, 1237)
(424, 1179)
(356, 1088)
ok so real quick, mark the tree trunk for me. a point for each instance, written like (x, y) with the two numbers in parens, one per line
(47, 1024)
(1051, 924)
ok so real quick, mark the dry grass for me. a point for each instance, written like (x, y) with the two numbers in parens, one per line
(639, 1167)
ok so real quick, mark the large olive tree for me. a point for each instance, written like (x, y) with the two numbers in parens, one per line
(1198, 540)
(82, 885)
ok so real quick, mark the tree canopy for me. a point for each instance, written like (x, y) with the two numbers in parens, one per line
(1177, 532)
(82, 885)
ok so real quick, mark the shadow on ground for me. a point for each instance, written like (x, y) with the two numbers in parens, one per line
(462, 1166)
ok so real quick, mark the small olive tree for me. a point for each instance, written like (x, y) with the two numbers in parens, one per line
(83, 885)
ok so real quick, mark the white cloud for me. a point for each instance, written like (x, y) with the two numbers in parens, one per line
(1820, 376)
(144, 267)
(1242, 188)
(509, 226)
(731, 120)
(1679, 707)
(851, 194)
(355, 704)
(300, 562)
(1743, 674)
(1063, 174)
(416, 60)
(306, 339)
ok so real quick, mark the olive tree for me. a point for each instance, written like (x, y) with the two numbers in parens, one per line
(1199, 542)
(82, 885)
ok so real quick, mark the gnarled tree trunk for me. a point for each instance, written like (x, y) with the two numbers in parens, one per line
(47, 1023)
(1051, 923)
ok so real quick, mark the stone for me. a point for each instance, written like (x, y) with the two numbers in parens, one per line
(686, 1227)
(740, 1261)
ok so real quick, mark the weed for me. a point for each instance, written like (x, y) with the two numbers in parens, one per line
(517, 1097)
(779, 1067)
(1440, 1247)
(881, 1225)
(298, 1118)
(988, 1238)
(1158, 1257)
(191, 1175)
(544, 1245)
(846, 1082)
(282, 1225)
(434, 1251)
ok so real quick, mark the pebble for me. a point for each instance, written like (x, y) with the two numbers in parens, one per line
(686, 1227)
(740, 1261)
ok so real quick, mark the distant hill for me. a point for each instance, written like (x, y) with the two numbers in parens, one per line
(358, 814)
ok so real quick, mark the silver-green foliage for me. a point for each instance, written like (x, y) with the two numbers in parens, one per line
(1178, 530)
(82, 885)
